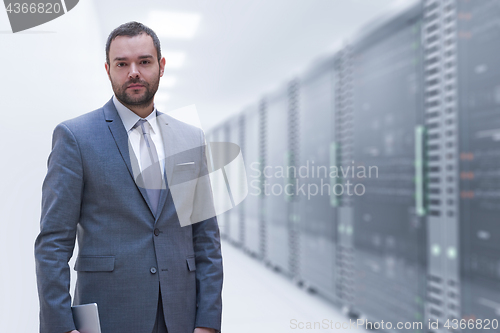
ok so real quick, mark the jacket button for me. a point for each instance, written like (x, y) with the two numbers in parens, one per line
(157, 231)
(153, 270)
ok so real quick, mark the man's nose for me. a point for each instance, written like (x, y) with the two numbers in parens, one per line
(133, 73)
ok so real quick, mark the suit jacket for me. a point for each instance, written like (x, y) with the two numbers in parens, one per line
(125, 251)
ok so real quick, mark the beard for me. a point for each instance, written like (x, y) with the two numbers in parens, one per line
(144, 99)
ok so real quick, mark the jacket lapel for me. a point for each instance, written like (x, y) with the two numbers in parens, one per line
(120, 136)
(168, 143)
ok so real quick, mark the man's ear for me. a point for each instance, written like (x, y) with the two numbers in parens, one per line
(162, 65)
(106, 66)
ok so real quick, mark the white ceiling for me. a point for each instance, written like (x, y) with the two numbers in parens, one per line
(243, 48)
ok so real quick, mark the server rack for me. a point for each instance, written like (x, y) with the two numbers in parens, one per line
(263, 162)
(440, 101)
(252, 205)
(277, 207)
(342, 156)
(219, 137)
(389, 233)
(317, 208)
(235, 218)
(292, 178)
(476, 36)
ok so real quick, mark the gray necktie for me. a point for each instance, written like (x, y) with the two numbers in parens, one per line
(150, 166)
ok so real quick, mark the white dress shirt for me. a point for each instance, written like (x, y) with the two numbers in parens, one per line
(129, 119)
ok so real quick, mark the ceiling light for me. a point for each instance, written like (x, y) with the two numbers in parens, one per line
(174, 24)
(174, 59)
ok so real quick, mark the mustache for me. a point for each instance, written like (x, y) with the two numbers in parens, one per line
(136, 81)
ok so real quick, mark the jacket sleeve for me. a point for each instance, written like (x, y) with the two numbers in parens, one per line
(60, 213)
(206, 243)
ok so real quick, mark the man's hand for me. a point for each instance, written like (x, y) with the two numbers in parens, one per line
(203, 330)
(73, 331)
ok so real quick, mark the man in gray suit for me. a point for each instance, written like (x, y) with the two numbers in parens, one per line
(149, 245)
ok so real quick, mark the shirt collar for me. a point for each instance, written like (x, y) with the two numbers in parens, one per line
(130, 118)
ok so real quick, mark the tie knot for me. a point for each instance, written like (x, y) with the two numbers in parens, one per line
(144, 125)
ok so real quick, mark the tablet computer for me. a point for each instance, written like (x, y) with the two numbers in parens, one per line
(86, 318)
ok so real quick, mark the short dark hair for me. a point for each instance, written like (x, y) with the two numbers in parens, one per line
(132, 29)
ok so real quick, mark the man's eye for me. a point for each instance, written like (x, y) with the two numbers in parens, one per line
(145, 62)
(120, 64)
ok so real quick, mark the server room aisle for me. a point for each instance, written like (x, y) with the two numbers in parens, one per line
(256, 299)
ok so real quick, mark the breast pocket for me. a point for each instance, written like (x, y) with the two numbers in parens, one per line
(95, 264)
(184, 172)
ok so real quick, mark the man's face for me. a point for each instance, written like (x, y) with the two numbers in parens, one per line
(134, 71)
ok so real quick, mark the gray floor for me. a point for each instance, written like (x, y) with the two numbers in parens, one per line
(256, 299)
